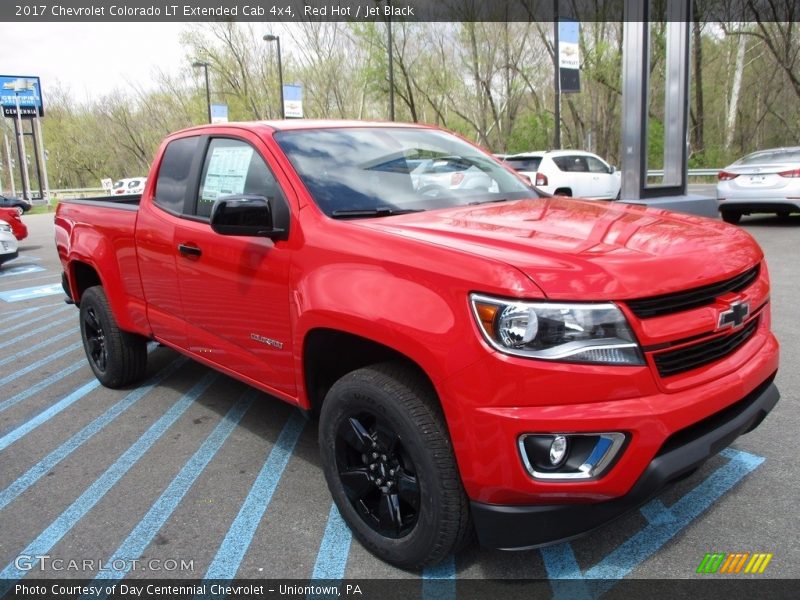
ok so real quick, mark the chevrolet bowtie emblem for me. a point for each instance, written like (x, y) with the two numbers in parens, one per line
(734, 316)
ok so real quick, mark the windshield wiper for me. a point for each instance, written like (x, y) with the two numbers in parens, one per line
(488, 201)
(372, 212)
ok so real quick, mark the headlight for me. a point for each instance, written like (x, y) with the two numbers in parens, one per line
(569, 332)
(5, 227)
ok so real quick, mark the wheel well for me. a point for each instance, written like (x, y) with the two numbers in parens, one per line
(563, 191)
(328, 355)
(84, 277)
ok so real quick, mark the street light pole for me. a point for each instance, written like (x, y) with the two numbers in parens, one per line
(276, 38)
(205, 66)
(391, 66)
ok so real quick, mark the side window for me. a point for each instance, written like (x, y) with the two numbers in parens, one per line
(597, 166)
(571, 163)
(562, 162)
(232, 167)
(173, 175)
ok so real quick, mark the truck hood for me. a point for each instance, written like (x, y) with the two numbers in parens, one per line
(581, 250)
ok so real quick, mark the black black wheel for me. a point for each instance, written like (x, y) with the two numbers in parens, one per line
(116, 357)
(563, 192)
(731, 216)
(390, 467)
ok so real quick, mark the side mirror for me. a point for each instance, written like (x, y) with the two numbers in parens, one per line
(250, 216)
(612, 170)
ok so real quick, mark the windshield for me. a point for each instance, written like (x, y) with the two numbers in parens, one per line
(528, 163)
(363, 172)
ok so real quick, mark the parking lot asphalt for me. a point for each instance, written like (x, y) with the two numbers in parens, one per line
(192, 473)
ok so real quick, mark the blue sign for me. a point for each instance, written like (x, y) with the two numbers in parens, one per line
(219, 113)
(293, 101)
(24, 89)
(569, 56)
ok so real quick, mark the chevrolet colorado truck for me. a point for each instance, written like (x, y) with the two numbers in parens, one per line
(481, 359)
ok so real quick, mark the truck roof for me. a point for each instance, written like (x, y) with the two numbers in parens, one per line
(296, 124)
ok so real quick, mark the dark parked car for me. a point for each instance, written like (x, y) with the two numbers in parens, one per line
(21, 205)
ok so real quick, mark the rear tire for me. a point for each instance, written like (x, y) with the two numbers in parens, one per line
(563, 192)
(390, 467)
(116, 357)
(731, 216)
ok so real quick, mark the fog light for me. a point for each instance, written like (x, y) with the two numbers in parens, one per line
(570, 456)
(558, 450)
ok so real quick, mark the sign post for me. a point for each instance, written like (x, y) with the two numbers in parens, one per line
(8, 162)
(23, 159)
(20, 98)
(45, 184)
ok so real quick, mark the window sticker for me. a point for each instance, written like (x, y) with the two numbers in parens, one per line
(227, 172)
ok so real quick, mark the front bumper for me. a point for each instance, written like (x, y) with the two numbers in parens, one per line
(512, 527)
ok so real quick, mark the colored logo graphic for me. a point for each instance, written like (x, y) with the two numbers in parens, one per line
(734, 563)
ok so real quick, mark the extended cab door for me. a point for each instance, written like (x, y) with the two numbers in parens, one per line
(159, 213)
(235, 289)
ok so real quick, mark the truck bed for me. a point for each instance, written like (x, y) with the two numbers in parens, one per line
(120, 202)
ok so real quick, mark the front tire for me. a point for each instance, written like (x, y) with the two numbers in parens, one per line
(390, 467)
(116, 357)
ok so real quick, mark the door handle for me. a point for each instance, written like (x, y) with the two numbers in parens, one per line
(189, 250)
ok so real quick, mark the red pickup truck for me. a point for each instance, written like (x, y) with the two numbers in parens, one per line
(481, 358)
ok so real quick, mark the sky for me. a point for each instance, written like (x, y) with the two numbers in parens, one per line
(91, 59)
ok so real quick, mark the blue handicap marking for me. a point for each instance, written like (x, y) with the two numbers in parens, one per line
(567, 580)
(20, 270)
(31, 292)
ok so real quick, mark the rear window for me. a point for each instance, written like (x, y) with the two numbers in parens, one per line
(173, 175)
(524, 164)
(770, 156)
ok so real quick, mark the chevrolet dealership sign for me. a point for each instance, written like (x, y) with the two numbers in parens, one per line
(23, 89)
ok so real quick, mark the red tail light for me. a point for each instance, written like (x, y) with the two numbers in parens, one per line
(792, 173)
(541, 179)
(726, 176)
(456, 178)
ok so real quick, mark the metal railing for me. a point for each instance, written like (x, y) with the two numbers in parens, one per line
(690, 172)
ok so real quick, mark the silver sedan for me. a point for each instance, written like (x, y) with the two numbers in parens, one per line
(767, 181)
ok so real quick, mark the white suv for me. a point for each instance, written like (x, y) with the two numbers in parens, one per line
(569, 173)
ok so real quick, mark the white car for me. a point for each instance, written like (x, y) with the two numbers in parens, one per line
(129, 187)
(569, 173)
(435, 175)
(8, 243)
(767, 181)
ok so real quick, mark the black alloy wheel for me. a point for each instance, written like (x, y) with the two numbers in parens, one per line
(116, 357)
(378, 475)
(390, 465)
(95, 339)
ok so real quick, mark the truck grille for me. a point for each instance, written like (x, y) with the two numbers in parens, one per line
(676, 302)
(692, 357)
